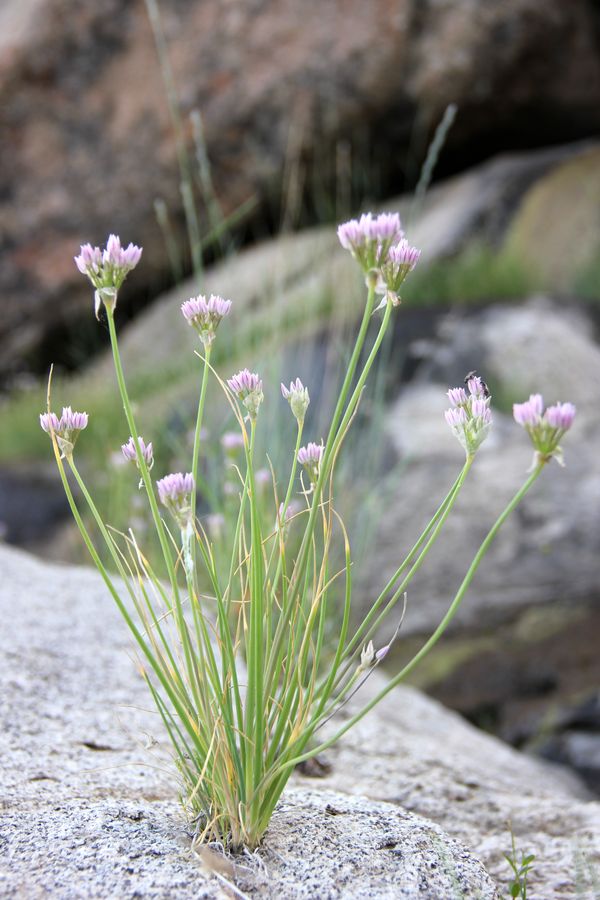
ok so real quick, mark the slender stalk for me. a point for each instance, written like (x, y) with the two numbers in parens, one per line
(432, 641)
(158, 523)
(368, 627)
(197, 432)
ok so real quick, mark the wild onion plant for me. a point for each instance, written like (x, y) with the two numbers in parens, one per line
(242, 675)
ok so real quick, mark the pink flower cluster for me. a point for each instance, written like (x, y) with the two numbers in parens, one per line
(379, 245)
(130, 455)
(369, 238)
(248, 388)
(108, 268)
(545, 428)
(175, 493)
(66, 429)
(204, 315)
(310, 457)
(469, 417)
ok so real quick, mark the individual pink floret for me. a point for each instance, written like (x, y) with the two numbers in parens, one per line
(457, 396)
(560, 416)
(529, 413)
(49, 422)
(89, 259)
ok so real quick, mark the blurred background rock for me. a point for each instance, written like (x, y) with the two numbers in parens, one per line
(228, 138)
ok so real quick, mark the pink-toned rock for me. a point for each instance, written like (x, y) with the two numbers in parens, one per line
(87, 142)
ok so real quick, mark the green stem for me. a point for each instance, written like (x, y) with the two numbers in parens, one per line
(429, 644)
(199, 418)
(158, 523)
(371, 627)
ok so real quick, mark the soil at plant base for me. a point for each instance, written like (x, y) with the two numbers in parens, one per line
(528, 682)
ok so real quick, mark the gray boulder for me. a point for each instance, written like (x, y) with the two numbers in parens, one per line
(549, 549)
(89, 812)
(88, 142)
(77, 778)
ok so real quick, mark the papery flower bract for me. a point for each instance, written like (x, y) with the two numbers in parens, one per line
(310, 457)
(204, 315)
(469, 417)
(107, 269)
(400, 260)
(66, 429)
(247, 387)
(369, 238)
(175, 492)
(129, 453)
(297, 396)
(545, 428)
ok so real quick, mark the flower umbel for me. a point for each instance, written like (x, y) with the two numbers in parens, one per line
(470, 417)
(107, 269)
(297, 396)
(545, 428)
(369, 238)
(145, 449)
(66, 428)
(247, 387)
(400, 260)
(310, 457)
(175, 492)
(204, 315)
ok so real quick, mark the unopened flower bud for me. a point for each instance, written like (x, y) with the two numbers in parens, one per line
(297, 396)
